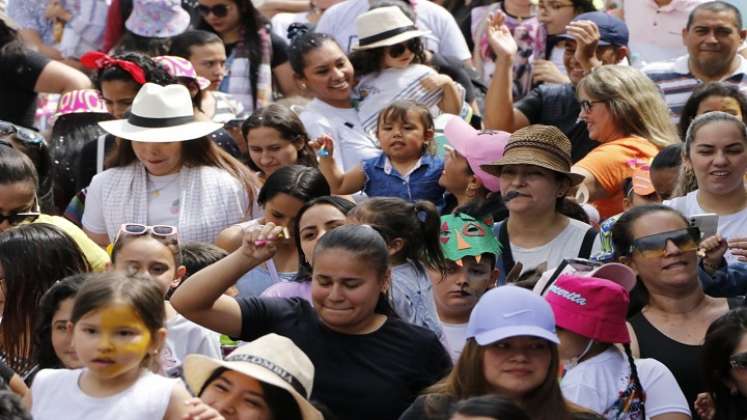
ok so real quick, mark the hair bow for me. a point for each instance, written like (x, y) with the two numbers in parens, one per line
(295, 30)
(98, 60)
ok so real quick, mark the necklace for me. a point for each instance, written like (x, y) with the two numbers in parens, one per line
(156, 192)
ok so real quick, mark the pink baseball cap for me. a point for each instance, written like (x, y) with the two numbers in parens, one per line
(591, 307)
(81, 101)
(478, 147)
(181, 67)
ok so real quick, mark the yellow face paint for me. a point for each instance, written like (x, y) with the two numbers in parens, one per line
(112, 340)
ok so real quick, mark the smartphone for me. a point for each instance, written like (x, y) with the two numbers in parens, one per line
(706, 222)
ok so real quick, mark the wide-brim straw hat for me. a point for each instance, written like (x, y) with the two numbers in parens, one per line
(160, 114)
(539, 145)
(271, 359)
(384, 27)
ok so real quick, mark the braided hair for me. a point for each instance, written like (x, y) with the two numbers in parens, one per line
(638, 388)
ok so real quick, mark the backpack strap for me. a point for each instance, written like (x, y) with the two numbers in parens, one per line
(587, 244)
(506, 257)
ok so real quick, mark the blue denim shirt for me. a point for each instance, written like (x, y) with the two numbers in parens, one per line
(383, 180)
(728, 281)
(411, 297)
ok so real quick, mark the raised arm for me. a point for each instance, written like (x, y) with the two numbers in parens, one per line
(340, 183)
(201, 297)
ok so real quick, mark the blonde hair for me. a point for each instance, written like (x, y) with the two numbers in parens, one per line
(634, 101)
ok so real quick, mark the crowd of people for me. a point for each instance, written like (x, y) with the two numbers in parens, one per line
(373, 209)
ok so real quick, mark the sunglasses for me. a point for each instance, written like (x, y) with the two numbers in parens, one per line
(586, 104)
(136, 229)
(24, 135)
(654, 246)
(738, 361)
(27, 216)
(397, 50)
(220, 10)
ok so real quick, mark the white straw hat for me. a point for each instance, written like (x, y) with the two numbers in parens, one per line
(160, 114)
(272, 359)
(383, 27)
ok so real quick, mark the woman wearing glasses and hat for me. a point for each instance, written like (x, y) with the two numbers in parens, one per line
(166, 171)
(659, 244)
(534, 177)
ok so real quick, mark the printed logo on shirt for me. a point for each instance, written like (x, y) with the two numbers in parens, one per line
(565, 294)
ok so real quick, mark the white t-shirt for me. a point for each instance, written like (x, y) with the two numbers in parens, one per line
(281, 21)
(57, 395)
(352, 144)
(565, 245)
(445, 37)
(455, 336)
(163, 203)
(729, 226)
(185, 337)
(597, 382)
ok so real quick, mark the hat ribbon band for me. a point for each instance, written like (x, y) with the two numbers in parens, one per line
(272, 367)
(385, 35)
(150, 122)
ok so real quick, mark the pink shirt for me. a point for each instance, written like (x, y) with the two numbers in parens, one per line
(656, 32)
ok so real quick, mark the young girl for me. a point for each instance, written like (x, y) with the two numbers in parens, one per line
(412, 232)
(590, 315)
(153, 252)
(52, 339)
(282, 195)
(118, 329)
(389, 62)
(368, 365)
(313, 221)
(407, 168)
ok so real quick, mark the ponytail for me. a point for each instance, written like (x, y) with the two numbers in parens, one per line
(638, 388)
(426, 245)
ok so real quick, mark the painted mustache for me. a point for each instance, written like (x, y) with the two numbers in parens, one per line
(511, 195)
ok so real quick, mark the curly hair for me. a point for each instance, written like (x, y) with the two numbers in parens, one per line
(154, 73)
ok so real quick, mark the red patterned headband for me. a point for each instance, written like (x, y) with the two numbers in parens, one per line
(98, 60)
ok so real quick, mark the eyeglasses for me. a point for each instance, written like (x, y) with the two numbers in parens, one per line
(554, 6)
(27, 216)
(654, 246)
(587, 104)
(397, 50)
(219, 10)
(738, 361)
(24, 135)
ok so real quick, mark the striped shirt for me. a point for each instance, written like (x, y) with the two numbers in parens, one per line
(677, 83)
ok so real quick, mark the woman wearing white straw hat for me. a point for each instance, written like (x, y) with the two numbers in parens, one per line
(165, 170)
(271, 377)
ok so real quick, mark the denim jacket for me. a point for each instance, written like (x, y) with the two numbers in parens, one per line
(383, 180)
(728, 281)
(411, 297)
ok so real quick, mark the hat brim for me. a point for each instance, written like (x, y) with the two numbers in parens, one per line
(582, 324)
(203, 82)
(198, 368)
(396, 39)
(615, 272)
(190, 131)
(457, 132)
(520, 157)
(566, 36)
(498, 334)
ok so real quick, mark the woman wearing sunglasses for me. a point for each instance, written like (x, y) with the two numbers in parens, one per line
(725, 367)
(256, 56)
(659, 244)
(623, 111)
(32, 144)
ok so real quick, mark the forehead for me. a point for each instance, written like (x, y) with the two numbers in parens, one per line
(320, 214)
(323, 54)
(15, 196)
(718, 132)
(212, 50)
(707, 18)
(657, 222)
(145, 248)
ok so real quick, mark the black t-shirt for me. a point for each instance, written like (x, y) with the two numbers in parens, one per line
(374, 376)
(19, 70)
(556, 104)
(279, 50)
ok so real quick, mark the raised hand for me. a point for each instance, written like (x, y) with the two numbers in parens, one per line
(435, 81)
(260, 241)
(500, 39)
(544, 71)
(738, 247)
(323, 145)
(714, 248)
(586, 34)
(198, 410)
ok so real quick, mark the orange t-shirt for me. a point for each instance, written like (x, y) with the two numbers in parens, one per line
(608, 163)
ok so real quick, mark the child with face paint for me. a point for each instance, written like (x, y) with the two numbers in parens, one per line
(470, 250)
(118, 329)
(590, 315)
(153, 252)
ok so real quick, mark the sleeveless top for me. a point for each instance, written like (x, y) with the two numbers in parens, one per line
(684, 360)
(57, 395)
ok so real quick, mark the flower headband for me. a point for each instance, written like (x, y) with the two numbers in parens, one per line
(98, 60)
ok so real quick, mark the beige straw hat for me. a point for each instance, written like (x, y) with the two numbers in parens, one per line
(540, 145)
(384, 27)
(271, 359)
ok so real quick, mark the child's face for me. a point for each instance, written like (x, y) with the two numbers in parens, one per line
(459, 290)
(151, 258)
(404, 140)
(112, 340)
(398, 56)
(62, 335)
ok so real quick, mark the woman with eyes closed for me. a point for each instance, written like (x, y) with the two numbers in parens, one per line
(658, 243)
(368, 364)
(324, 73)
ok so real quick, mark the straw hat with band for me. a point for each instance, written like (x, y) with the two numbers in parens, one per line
(160, 114)
(271, 359)
(539, 145)
(384, 27)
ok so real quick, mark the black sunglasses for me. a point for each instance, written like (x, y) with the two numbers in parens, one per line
(24, 135)
(586, 104)
(653, 246)
(220, 10)
(738, 361)
(397, 50)
(22, 216)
